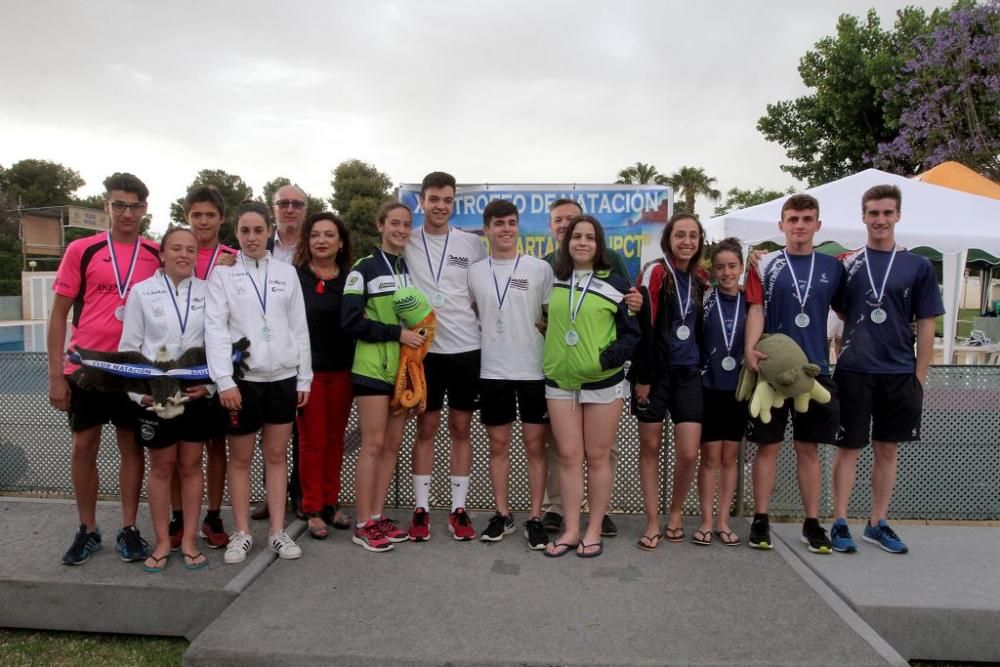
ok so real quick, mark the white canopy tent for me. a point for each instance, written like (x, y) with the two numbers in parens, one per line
(948, 220)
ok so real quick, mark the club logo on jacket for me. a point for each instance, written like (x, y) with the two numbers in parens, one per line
(520, 283)
(460, 262)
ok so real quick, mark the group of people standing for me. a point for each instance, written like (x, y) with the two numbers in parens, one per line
(559, 344)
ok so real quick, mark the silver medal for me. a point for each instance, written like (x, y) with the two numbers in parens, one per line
(728, 364)
(571, 338)
(265, 333)
(499, 326)
(120, 313)
(802, 320)
(437, 300)
(683, 332)
(878, 316)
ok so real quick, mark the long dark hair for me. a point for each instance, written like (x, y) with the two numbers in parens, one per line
(669, 229)
(302, 253)
(564, 263)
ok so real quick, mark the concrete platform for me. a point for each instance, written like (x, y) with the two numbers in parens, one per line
(445, 602)
(106, 594)
(941, 601)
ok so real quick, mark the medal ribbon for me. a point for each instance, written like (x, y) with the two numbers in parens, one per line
(261, 299)
(211, 262)
(187, 311)
(427, 253)
(572, 289)
(496, 284)
(122, 287)
(728, 339)
(885, 279)
(686, 305)
(795, 281)
(396, 277)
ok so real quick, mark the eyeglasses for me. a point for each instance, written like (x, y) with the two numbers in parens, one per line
(137, 207)
(290, 203)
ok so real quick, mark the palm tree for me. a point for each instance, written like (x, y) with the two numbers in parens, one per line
(639, 174)
(691, 182)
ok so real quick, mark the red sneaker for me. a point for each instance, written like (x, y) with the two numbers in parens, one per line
(420, 526)
(460, 525)
(176, 531)
(371, 538)
(214, 534)
(391, 530)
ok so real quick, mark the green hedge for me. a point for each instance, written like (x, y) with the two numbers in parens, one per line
(10, 287)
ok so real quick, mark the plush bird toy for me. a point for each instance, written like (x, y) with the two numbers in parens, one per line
(786, 373)
(163, 378)
(414, 311)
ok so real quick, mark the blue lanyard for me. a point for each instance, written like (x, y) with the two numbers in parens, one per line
(187, 311)
(261, 299)
(496, 285)
(427, 253)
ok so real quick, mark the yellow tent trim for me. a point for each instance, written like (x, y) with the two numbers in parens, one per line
(959, 177)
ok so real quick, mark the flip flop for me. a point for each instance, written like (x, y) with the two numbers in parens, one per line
(318, 533)
(650, 542)
(195, 566)
(342, 524)
(702, 538)
(673, 534)
(585, 554)
(728, 538)
(566, 548)
(160, 564)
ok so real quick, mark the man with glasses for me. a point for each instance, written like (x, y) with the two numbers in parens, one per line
(94, 279)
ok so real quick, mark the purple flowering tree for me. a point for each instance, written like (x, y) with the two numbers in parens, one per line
(949, 95)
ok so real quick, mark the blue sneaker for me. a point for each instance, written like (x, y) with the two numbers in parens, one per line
(885, 537)
(83, 545)
(130, 545)
(840, 536)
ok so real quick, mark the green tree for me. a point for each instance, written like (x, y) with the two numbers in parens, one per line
(234, 191)
(358, 190)
(35, 183)
(737, 199)
(313, 204)
(835, 130)
(688, 183)
(640, 173)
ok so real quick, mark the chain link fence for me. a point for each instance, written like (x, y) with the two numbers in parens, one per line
(953, 473)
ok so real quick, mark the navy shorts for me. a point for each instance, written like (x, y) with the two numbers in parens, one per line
(677, 392)
(886, 406)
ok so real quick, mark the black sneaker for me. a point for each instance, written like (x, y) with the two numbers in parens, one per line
(552, 522)
(760, 533)
(500, 525)
(83, 545)
(608, 527)
(535, 532)
(130, 545)
(814, 535)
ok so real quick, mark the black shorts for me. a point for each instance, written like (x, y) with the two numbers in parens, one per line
(89, 408)
(888, 406)
(677, 392)
(456, 374)
(195, 424)
(725, 417)
(821, 423)
(264, 403)
(500, 401)
(368, 390)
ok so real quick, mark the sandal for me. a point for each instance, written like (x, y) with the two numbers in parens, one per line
(329, 515)
(566, 548)
(702, 538)
(159, 564)
(728, 538)
(673, 534)
(317, 532)
(194, 563)
(599, 545)
(650, 542)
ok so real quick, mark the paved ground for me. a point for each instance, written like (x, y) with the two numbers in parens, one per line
(106, 594)
(472, 603)
(941, 601)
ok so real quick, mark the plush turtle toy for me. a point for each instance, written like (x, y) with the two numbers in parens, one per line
(414, 312)
(786, 373)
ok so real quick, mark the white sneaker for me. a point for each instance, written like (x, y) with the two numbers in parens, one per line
(239, 546)
(283, 545)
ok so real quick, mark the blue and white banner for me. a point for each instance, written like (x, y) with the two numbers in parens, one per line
(632, 215)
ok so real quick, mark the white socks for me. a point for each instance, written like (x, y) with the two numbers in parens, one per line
(459, 490)
(422, 491)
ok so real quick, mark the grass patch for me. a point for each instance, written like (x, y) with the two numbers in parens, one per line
(34, 647)
(963, 328)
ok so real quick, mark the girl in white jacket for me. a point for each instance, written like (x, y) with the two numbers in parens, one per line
(261, 300)
(164, 316)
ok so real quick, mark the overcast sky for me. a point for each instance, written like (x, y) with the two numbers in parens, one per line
(552, 92)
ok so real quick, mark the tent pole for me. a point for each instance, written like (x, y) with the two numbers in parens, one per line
(953, 270)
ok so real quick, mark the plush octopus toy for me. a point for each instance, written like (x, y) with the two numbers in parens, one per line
(414, 312)
(786, 373)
